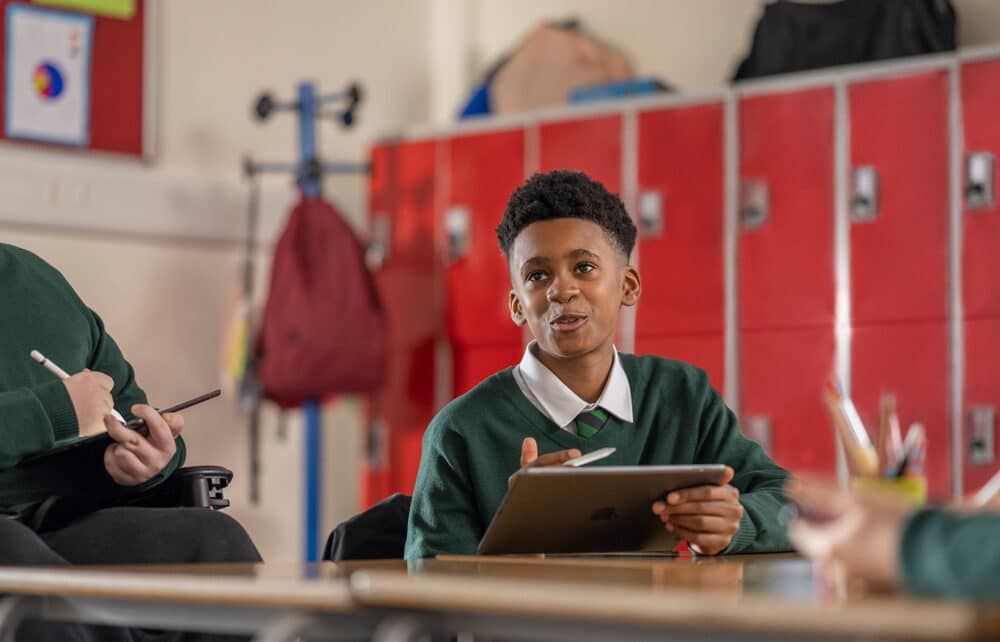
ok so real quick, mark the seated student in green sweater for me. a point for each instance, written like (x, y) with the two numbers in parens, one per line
(889, 544)
(56, 507)
(567, 242)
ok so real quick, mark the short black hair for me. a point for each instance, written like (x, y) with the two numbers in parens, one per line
(566, 194)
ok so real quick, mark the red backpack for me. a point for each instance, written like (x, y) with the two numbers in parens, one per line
(323, 330)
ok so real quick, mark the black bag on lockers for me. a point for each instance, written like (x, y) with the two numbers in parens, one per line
(795, 37)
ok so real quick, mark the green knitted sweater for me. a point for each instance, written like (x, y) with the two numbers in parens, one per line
(474, 444)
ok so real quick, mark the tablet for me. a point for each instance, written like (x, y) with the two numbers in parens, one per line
(589, 510)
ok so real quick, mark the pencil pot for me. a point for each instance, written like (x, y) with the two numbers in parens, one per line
(910, 488)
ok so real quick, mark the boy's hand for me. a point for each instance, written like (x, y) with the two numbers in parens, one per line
(706, 517)
(135, 459)
(857, 533)
(529, 457)
(90, 393)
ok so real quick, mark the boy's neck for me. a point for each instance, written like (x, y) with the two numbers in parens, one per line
(586, 375)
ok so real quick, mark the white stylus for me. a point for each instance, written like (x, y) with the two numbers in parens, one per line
(59, 372)
(600, 453)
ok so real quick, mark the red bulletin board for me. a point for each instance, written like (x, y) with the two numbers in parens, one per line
(116, 82)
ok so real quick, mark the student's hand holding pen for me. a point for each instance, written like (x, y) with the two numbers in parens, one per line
(90, 393)
(133, 458)
(529, 457)
(706, 517)
(855, 533)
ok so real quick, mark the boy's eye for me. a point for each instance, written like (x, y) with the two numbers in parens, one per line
(586, 267)
(534, 276)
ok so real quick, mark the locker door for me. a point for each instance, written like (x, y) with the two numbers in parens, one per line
(980, 287)
(981, 220)
(786, 263)
(781, 397)
(899, 128)
(680, 216)
(472, 364)
(911, 361)
(591, 145)
(981, 402)
(483, 171)
(703, 350)
(401, 232)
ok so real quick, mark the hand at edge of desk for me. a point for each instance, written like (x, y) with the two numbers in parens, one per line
(857, 534)
(706, 517)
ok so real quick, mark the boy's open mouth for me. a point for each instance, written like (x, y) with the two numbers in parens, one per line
(567, 322)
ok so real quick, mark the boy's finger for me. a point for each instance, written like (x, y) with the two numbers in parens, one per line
(701, 494)
(557, 458)
(529, 451)
(720, 508)
(706, 524)
(121, 434)
(175, 422)
(703, 541)
(159, 432)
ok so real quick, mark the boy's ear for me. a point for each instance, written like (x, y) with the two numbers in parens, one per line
(516, 312)
(631, 286)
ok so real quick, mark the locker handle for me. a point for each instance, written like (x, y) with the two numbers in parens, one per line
(755, 203)
(864, 194)
(980, 180)
(456, 228)
(651, 214)
(380, 246)
(377, 444)
(980, 431)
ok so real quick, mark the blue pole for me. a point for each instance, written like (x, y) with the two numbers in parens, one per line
(313, 441)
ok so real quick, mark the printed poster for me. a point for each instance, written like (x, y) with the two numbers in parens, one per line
(48, 75)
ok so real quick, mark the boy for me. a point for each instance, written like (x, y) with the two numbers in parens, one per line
(55, 506)
(567, 242)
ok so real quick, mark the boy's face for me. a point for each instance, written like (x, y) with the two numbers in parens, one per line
(569, 283)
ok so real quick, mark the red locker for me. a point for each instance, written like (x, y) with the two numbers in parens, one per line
(911, 361)
(589, 145)
(982, 399)
(472, 364)
(483, 171)
(782, 374)
(408, 276)
(786, 277)
(681, 216)
(707, 351)
(899, 267)
(981, 236)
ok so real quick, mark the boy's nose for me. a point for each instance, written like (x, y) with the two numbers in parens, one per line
(562, 290)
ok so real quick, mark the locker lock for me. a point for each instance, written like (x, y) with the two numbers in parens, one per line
(980, 433)
(980, 180)
(456, 227)
(651, 214)
(378, 250)
(758, 428)
(755, 203)
(864, 194)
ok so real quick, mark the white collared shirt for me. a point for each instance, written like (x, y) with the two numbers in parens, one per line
(556, 401)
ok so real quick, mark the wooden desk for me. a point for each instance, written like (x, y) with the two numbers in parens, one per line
(746, 597)
(754, 597)
(272, 602)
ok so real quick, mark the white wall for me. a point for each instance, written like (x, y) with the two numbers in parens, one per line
(122, 232)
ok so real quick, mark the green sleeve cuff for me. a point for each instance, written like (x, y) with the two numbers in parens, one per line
(59, 407)
(744, 537)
